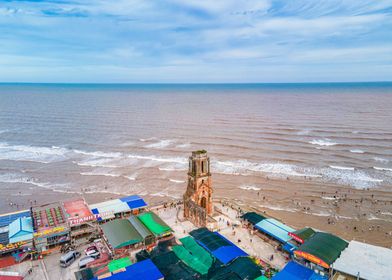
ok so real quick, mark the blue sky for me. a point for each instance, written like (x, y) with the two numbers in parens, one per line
(195, 41)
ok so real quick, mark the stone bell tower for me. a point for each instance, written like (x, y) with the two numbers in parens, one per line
(198, 196)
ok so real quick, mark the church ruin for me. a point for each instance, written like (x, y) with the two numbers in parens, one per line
(198, 196)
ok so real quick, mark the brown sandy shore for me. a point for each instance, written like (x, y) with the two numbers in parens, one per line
(363, 215)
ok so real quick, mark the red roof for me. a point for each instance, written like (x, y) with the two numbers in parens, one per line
(78, 210)
(6, 277)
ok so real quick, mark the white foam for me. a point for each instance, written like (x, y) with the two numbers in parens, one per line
(99, 174)
(356, 151)
(179, 160)
(103, 162)
(341, 167)
(160, 144)
(131, 177)
(32, 153)
(99, 154)
(176, 181)
(278, 208)
(382, 168)
(304, 132)
(383, 160)
(323, 142)
(184, 146)
(328, 198)
(249, 188)
(146, 139)
(354, 178)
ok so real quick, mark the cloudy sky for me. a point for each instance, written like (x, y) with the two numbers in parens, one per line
(195, 41)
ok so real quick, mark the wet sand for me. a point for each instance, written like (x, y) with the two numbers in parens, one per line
(363, 215)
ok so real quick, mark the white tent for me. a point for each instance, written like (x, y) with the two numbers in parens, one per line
(366, 261)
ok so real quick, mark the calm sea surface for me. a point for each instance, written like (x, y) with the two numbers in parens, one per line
(136, 138)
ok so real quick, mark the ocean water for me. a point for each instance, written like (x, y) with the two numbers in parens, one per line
(137, 138)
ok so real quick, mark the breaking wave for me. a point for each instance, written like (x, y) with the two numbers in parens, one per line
(161, 144)
(249, 188)
(176, 181)
(323, 142)
(341, 167)
(32, 153)
(382, 168)
(356, 151)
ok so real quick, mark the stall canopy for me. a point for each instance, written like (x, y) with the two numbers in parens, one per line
(121, 233)
(21, 230)
(295, 271)
(366, 261)
(302, 234)
(241, 268)
(217, 245)
(154, 224)
(119, 264)
(107, 209)
(275, 229)
(145, 270)
(322, 248)
(253, 217)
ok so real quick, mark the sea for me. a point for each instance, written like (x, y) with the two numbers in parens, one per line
(136, 138)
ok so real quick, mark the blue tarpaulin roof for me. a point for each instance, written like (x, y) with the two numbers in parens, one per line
(295, 271)
(226, 253)
(275, 229)
(6, 219)
(20, 230)
(145, 270)
(111, 207)
(288, 247)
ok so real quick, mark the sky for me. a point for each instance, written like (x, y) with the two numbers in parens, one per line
(195, 41)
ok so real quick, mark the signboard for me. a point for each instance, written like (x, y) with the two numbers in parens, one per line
(12, 246)
(311, 258)
(49, 231)
(296, 238)
(74, 221)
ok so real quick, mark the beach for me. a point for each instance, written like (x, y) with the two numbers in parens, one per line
(315, 155)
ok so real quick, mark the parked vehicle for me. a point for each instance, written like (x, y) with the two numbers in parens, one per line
(83, 262)
(68, 258)
(92, 251)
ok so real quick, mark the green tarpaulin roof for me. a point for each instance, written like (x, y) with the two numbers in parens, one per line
(240, 268)
(121, 233)
(304, 233)
(154, 223)
(253, 217)
(118, 264)
(193, 255)
(196, 250)
(325, 246)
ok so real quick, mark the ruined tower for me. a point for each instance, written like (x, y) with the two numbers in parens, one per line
(198, 195)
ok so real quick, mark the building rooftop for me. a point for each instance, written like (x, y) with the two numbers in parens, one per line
(275, 229)
(323, 247)
(49, 216)
(121, 233)
(20, 230)
(77, 211)
(366, 261)
(107, 209)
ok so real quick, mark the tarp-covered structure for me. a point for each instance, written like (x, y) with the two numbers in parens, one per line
(145, 270)
(275, 229)
(147, 236)
(295, 271)
(302, 234)
(108, 209)
(173, 268)
(21, 230)
(6, 220)
(366, 261)
(115, 265)
(253, 217)
(217, 245)
(193, 255)
(154, 224)
(121, 233)
(322, 249)
(241, 268)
